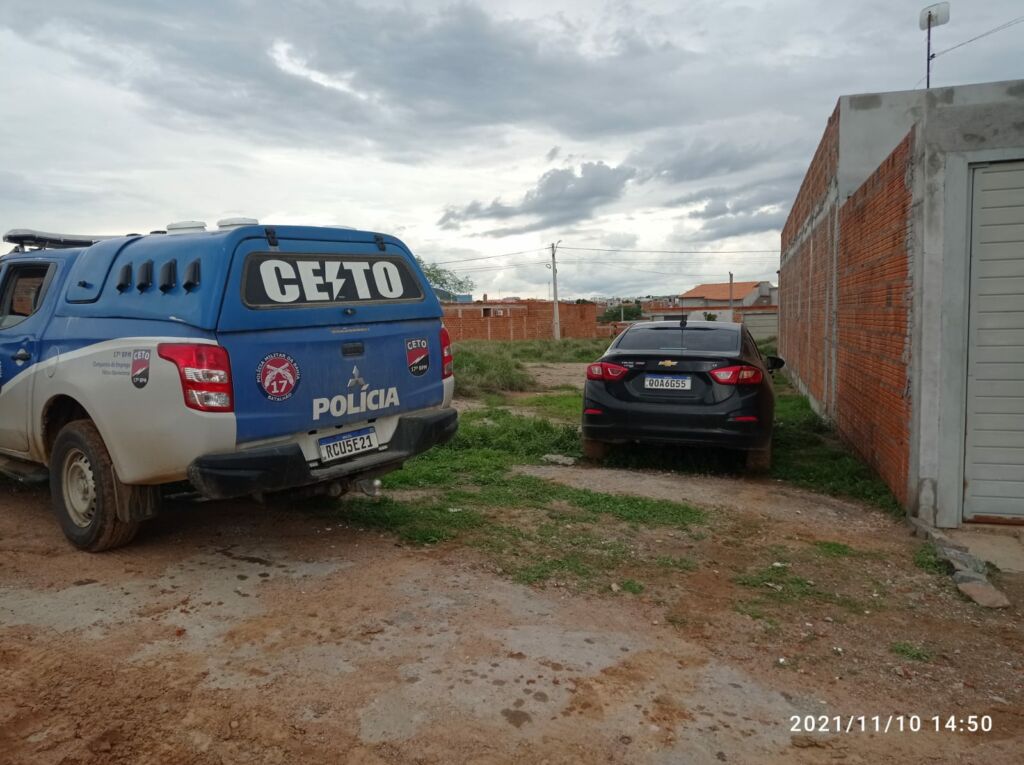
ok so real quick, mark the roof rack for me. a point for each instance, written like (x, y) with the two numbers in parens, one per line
(27, 237)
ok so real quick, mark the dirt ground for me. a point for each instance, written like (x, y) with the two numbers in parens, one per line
(232, 633)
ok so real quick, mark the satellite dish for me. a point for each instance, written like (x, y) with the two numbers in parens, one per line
(934, 16)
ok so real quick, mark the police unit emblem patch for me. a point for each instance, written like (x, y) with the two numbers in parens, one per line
(417, 356)
(278, 375)
(140, 367)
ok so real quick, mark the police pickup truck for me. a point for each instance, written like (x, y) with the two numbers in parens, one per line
(244, 361)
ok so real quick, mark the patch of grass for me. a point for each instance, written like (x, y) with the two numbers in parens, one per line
(807, 454)
(487, 444)
(780, 584)
(769, 346)
(574, 536)
(485, 366)
(639, 510)
(910, 651)
(679, 564)
(543, 570)
(927, 559)
(482, 367)
(755, 609)
(834, 549)
(568, 350)
(521, 437)
(565, 406)
(418, 524)
(631, 586)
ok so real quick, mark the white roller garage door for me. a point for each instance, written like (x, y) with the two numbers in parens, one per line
(994, 443)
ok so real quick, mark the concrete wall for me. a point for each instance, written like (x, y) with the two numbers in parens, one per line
(762, 324)
(961, 127)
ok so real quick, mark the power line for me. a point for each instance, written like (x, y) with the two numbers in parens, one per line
(497, 268)
(489, 257)
(669, 252)
(992, 31)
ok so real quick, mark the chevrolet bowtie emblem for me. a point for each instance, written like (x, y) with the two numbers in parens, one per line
(667, 363)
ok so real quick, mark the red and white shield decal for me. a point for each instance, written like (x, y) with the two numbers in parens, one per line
(278, 376)
(417, 356)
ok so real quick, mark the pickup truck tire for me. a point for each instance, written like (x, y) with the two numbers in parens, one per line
(84, 492)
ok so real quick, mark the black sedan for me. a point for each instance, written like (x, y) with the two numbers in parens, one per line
(702, 383)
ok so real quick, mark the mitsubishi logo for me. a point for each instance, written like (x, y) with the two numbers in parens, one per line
(357, 379)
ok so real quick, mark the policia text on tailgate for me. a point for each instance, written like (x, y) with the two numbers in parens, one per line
(244, 360)
(700, 383)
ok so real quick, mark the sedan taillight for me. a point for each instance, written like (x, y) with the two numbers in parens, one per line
(738, 375)
(602, 370)
(205, 372)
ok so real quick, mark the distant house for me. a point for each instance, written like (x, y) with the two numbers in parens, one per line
(743, 294)
(447, 296)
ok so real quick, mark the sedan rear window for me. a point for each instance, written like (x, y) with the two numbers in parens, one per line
(675, 339)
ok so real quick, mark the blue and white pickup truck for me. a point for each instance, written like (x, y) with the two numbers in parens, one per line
(246, 360)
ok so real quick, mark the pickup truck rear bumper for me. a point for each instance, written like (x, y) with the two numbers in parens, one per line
(279, 467)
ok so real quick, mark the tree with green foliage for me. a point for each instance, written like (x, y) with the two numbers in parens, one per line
(625, 312)
(445, 279)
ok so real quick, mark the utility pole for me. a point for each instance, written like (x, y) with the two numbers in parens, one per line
(556, 326)
(732, 317)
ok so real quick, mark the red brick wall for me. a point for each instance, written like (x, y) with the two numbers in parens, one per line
(528, 320)
(872, 409)
(844, 297)
(808, 245)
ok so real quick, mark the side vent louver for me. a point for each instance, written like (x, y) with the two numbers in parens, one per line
(124, 277)
(168, 275)
(145, 280)
(192, 274)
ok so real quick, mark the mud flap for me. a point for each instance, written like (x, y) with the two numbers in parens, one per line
(135, 503)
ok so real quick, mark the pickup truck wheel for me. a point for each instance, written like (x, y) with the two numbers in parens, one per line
(83, 491)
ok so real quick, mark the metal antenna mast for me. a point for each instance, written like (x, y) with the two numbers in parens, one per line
(932, 16)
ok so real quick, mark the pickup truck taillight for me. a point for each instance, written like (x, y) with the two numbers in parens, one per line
(447, 358)
(205, 374)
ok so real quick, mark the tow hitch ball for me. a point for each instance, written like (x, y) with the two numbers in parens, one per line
(369, 486)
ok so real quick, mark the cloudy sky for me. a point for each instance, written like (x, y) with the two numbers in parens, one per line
(469, 129)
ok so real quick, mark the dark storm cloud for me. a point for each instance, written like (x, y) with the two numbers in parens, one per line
(560, 197)
(746, 209)
(672, 160)
(735, 224)
(331, 76)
